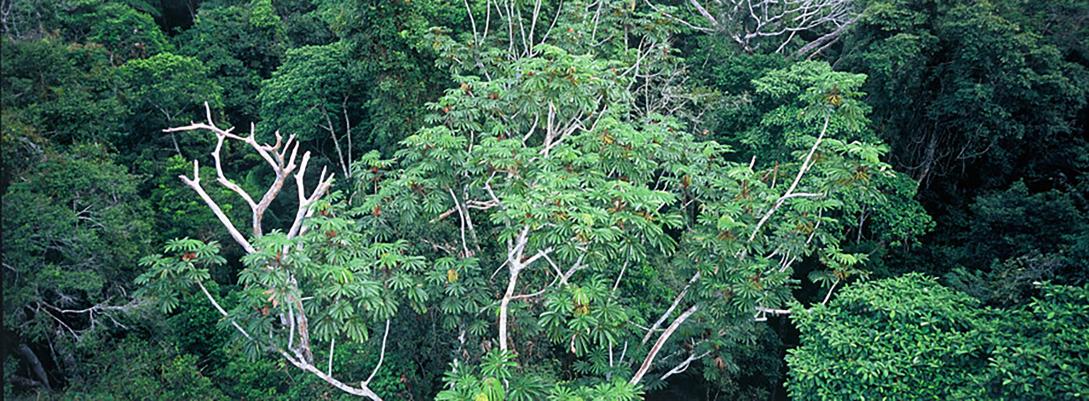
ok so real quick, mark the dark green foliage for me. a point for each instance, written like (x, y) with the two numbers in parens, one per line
(927, 62)
(238, 46)
(1016, 239)
(979, 99)
(138, 370)
(64, 92)
(74, 225)
(399, 72)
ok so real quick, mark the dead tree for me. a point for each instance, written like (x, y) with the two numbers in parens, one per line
(750, 22)
(282, 157)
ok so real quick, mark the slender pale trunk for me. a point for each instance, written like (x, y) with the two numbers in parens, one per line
(649, 360)
(504, 306)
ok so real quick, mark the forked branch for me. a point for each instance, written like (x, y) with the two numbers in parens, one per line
(281, 156)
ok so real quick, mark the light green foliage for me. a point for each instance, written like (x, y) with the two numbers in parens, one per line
(167, 275)
(799, 99)
(315, 87)
(1040, 349)
(349, 284)
(553, 148)
(906, 338)
(495, 380)
(910, 338)
(801, 95)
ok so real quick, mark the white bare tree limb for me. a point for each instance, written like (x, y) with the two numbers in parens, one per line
(806, 164)
(273, 155)
(281, 157)
(381, 354)
(683, 366)
(746, 21)
(194, 183)
(363, 390)
(676, 301)
(649, 360)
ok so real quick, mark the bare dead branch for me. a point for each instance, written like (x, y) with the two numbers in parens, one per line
(806, 164)
(281, 157)
(745, 21)
(672, 307)
(649, 360)
(363, 390)
(194, 183)
(381, 355)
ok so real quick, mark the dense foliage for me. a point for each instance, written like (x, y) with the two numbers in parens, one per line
(945, 345)
(545, 200)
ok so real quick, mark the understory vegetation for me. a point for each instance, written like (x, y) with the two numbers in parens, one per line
(492, 200)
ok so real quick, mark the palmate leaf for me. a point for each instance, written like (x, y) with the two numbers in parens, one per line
(498, 364)
(183, 245)
(527, 387)
(492, 389)
(357, 329)
(340, 310)
(325, 328)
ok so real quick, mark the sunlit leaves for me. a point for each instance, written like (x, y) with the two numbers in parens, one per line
(910, 337)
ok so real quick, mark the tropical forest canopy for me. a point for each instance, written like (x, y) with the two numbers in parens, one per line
(524, 200)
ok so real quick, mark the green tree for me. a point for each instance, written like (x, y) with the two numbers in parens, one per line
(969, 80)
(162, 91)
(910, 338)
(239, 46)
(349, 283)
(576, 178)
(1039, 349)
(317, 94)
(74, 228)
(1016, 238)
(303, 24)
(125, 32)
(875, 340)
(580, 189)
(63, 92)
(400, 70)
(139, 370)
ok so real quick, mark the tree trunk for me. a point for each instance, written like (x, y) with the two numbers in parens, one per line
(35, 365)
(504, 306)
